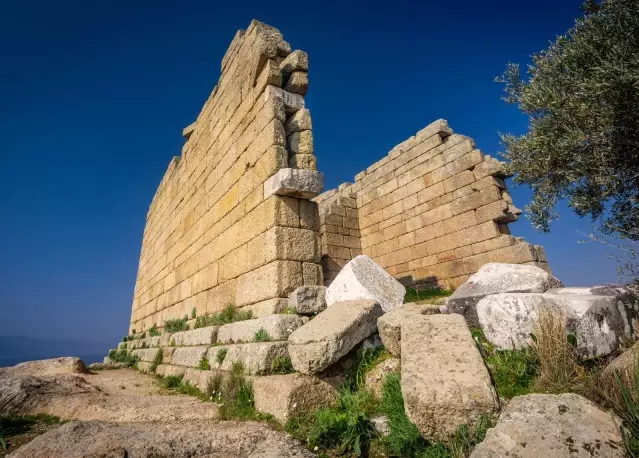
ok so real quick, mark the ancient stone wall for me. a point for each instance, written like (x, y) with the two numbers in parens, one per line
(433, 211)
(231, 222)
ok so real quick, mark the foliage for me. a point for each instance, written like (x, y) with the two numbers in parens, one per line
(629, 410)
(581, 97)
(172, 343)
(229, 315)
(158, 359)
(171, 381)
(125, 338)
(204, 364)
(221, 354)
(513, 371)
(11, 426)
(282, 365)
(262, 335)
(237, 395)
(153, 331)
(432, 292)
(193, 313)
(124, 357)
(176, 325)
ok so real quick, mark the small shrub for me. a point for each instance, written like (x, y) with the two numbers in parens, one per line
(431, 292)
(177, 325)
(229, 315)
(125, 338)
(627, 387)
(221, 354)
(204, 364)
(262, 336)
(193, 313)
(237, 395)
(214, 387)
(171, 381)
(124, 357)
(282, 365)
(153, 331)
(158, 359)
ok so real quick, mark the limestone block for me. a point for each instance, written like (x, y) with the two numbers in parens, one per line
(389, 325)
(312, 274)
(167, 354)
(438, 127)
(294, 182)
(267, 307)
(276, 279)
(297, 83)
(374, 380)
(309, 215)
(146, 354)
(292, 102)
(303, 161)
(286, 396)
(362, 278)
(295, 61)
(145, 366)
(444, 380)
(199, 378)
(201, 336)
(301, 142)
(308, 300)
(490, 167)
(278, 327)
(557, 425)
(332, 334)
(166, 370)
(624, 364)
(188, 356)
(294, 244)
(257, 358)
(493, 278)
(299, 121)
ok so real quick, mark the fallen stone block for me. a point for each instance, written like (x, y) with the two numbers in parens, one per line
(381, 424)
(300, 183)
(362, 278)
(445, 383)
(188, 356)
(166, 370)
(552, 425)
(624, 364)
(332, 334)
(286, 396)
(278, 327)
(495, 278)
(49, 367)
(374, 379)
(600, 323)
(389, 324)
(146, 354)
(308, 300)
(201, 336)
(257, 358)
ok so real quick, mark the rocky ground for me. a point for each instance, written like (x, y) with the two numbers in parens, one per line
(122, 412)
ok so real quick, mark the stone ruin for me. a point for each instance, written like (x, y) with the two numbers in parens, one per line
(238, 218)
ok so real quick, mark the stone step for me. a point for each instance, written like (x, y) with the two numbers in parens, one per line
(278, 327)
(257, 358)
(146, 354)
(144, 366)
(201, 336)
(188, 356)
(147, 342)
(167, 370)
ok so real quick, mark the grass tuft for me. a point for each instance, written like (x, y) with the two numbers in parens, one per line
(431, 292)
(153, 331)
(282, 365)
(204, 364)
(229, 315)
(220, 355)
(262, 335)
(177, 325)
(158, 359)
(124, 357)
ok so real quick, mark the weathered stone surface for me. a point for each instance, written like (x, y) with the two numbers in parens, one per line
(294, 182)
(278, 327)
(200, 336)
(188, 356)
(166, 370)
(301, 142)
(389, 324)
(146, 354)
(53, 366)
(600, 323)
(257, 358)
(295, 61)
(199, 378)
(494, 278)
(299, 121)
(624, 364)
(308, 300)
(559, 426)
(285, 396)
(332, 334)
(297, 83)
(444, 380)
(292, 102)
(374, 380)
(362, 278)
(145, 366)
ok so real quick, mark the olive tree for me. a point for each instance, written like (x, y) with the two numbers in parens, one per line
(582, 99)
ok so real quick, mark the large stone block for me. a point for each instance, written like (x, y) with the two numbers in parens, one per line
(389, 325)
(308, 299)
(292, 102)
(445, 383)
(276, 279)
(299, 121)
(294, 182)
(494, 278)
(362, 278)
(278, 327)
(199, 378)
(201, 336)
(295, 61)
(188, 356)
(332, 334)
(256, 358)
(552, 425)
(287, 396)
(146, 354)
(166, 370)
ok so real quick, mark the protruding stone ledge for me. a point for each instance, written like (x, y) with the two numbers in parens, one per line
(188, 130)
(300, 183)
(201, 336)
(278, 327)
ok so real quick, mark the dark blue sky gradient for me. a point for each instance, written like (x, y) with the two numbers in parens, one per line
(93, 100)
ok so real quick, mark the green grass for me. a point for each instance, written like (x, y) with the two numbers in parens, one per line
(282, 365)
(122, 356)
(229, 315)
(193, 313)
(220, 355)
(513, 371)
(262, 335)
(158, 359)
(628, 410)
(171, 381)
(12, 425)
(153, 331)
(204, 364)
(432, 292)
(177, 325)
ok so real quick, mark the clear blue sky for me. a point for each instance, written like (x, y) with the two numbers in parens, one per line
(94, 96)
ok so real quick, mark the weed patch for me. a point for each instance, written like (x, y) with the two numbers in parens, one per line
(220, 355)
(158, 359)
(262, 335)
(153, 331)
(177, 325)
(229, 315)
(13, 426)
(282, 365)
(433, 292)
(204, 364)
(124, 357)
